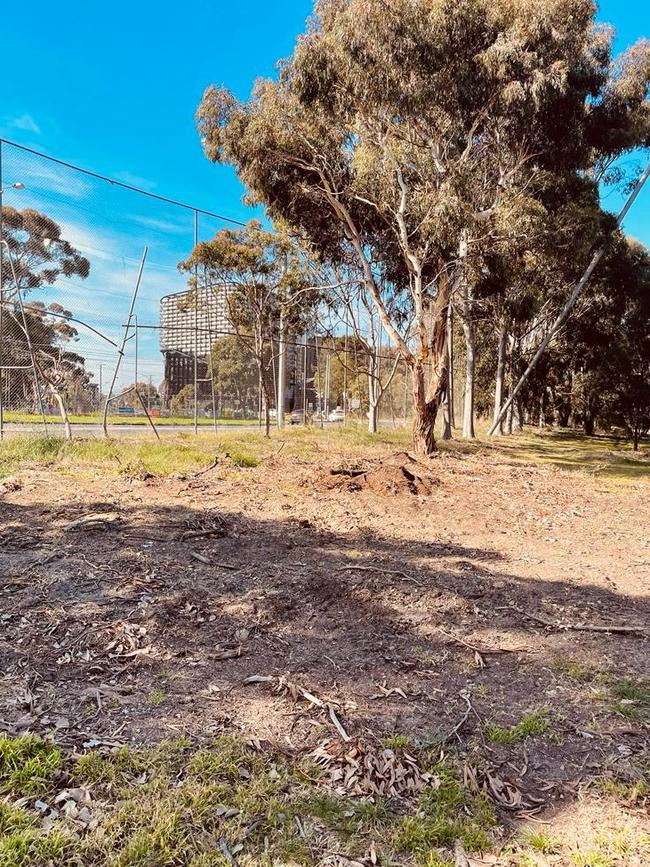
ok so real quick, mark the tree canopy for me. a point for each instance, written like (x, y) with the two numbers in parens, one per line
(415, 133)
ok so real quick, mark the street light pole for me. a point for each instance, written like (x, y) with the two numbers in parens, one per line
(15, 186)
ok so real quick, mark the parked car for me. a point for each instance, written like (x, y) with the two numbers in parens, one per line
(296, 417)
(336, 415)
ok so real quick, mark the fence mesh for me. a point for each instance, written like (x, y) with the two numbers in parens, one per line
(75, 248)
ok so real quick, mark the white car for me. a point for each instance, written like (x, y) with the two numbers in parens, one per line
(336, 415)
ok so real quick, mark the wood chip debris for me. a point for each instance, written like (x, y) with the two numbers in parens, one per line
(95, 520)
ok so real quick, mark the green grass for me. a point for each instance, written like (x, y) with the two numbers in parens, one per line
(183, 451)
(112, 456)
(631, 699)
(607, 457)
(540, 841)
(573, 670)
(530, 724)
(177, 804)
(28, 765)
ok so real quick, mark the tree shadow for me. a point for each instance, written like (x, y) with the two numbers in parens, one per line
(147, 626)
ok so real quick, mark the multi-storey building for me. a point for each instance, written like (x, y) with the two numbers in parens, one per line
(190, 325)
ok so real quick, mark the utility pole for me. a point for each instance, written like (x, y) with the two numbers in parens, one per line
(327, 382)
(282, 370)
(99, 397)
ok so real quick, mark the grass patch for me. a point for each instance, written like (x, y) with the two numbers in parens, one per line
(573, 670)
(632, 699)
(530, 724)
(607, 457)
(442, 816)
(540, 841)
(177, 804)
(28, 765)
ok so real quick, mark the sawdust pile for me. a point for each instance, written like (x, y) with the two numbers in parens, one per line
(398, 474)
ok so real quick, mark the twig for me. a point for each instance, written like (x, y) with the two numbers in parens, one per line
(197, 534)
(337, 724)
(212, 466)
(582, 627)
(462, 722)
(381, 569)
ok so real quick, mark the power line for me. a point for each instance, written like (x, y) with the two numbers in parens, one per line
(124, 186)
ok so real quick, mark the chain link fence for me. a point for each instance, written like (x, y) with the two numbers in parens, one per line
(98, 325)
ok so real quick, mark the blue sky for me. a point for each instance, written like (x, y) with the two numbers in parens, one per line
(113, 87)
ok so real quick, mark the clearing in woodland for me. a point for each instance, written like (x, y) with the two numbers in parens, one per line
(316, 649)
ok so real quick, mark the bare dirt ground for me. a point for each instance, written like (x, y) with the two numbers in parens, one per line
(408, 601)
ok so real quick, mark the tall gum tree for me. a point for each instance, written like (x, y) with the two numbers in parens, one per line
(399, 128)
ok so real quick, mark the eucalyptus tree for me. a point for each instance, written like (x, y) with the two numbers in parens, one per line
(268, 280)
(400, 128)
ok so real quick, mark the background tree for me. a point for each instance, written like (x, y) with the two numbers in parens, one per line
(268, 282)
(147, 391)
(234, 373)
(182, 404)
(39, 255)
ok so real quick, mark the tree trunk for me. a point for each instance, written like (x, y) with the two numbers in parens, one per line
(373, 391)
(427, 401)
(424, 421)
(64, 414)
(500, 377)
(450, 366)
(519, 407)
(589, 424)
(372, 418)
(470, 365)
(446, 433)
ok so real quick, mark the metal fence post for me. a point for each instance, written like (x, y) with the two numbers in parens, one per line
(196, 328)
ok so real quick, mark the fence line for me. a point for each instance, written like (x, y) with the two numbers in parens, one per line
(72, 246)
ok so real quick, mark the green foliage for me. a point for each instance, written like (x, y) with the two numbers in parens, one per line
(444, 815)
(530, 724)
(445, 109)
(234, 373)
(242, 459)
(182, 404)
(540, 841)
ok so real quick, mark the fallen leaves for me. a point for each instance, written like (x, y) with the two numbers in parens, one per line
(297, 692)
(363, 769)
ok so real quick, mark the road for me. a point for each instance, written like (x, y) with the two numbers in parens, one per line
(84, 429)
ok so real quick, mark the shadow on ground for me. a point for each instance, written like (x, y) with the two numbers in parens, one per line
(146, 625)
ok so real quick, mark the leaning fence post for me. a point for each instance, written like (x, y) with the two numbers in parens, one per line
(120, 352)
